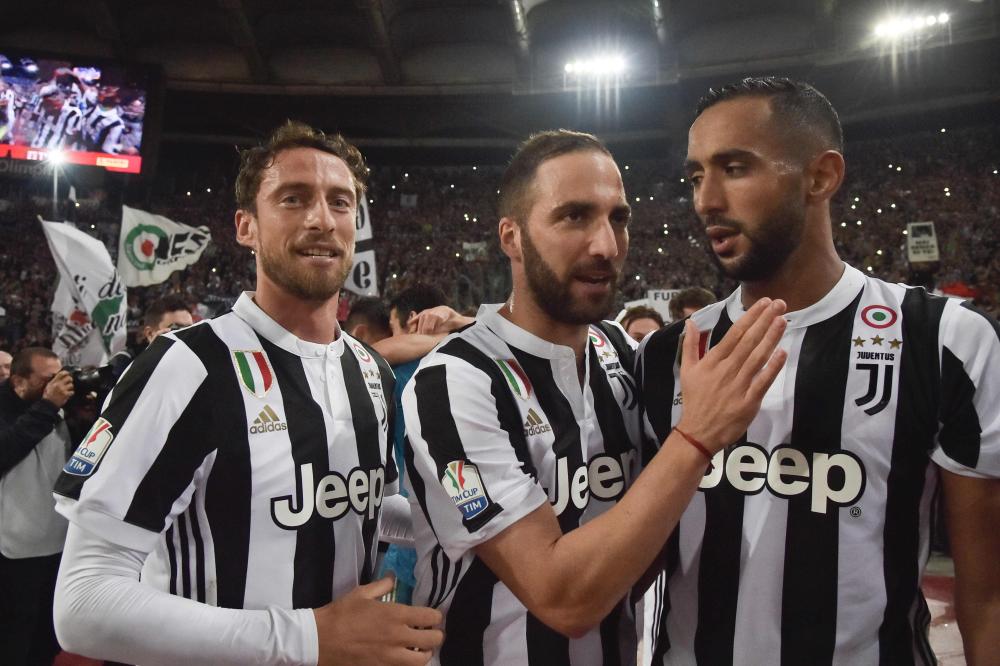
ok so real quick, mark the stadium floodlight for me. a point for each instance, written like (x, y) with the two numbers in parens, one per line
(598, 66)
(943, 17)
(56, 157)
(898, 26)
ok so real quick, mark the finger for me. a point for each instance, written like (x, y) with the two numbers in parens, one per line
(762, 352)
(752, 337)
(729, 341)
(402, 656)
(689, 350)
(422, 639)
(419, 616)
(379, 588)
(763, 379)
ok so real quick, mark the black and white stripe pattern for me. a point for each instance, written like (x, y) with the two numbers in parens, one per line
(237, 509)
(807, 541)
(510, 408)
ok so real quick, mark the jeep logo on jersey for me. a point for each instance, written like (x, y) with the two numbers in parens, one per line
(604, 477)
(91, 450)
(254, 371)
(463, 484)
(361, 491)
(830, 478)
(516, 377)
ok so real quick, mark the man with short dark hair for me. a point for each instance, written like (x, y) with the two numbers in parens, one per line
(524, 430)
(5, 359)
(242, 465)
(688, 301)
(807, 542)
(165, 314)
(34, 445)
(368, 321)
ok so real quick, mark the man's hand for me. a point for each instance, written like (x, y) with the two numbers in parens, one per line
(59, 389)
(431, 321)
(723, 391)
(358, 629)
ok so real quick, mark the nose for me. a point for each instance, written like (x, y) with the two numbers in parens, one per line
(709, 196)
(604, 242)
(320, 217)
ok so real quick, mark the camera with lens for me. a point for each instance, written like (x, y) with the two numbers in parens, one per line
(90, 379)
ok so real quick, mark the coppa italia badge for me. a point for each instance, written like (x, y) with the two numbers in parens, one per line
(463, 484)
(254, 371)
(90, 452)
(879, 316)
(516, 377)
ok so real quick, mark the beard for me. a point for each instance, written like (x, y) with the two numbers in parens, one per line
(554, 295)
(305, 282)
(770, 243)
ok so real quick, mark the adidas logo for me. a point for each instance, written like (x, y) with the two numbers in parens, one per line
(267, 421)
(534, 425)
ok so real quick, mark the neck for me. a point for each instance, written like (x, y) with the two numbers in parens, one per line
(808, 275)
(523, 311)
(312, 321)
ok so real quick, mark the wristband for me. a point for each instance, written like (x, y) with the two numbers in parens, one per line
(698, 445)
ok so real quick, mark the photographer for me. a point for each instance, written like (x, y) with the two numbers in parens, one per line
(34, 446)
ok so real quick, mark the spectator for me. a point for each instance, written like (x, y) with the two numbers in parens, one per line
(167, 314)
(34, 446)
(688, 301)
(640, 321)
(5, 359)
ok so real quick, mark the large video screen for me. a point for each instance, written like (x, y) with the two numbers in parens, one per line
(93, 113)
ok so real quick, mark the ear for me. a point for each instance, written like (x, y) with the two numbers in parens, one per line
(17, 383)
(825, 175)
(510, 238)
(246, 229)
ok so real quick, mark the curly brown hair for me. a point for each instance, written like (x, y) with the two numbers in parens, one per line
(293, 134)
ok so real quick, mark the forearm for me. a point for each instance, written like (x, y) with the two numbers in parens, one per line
(583, 574)
(103, 611)
(407, 347)
(20, 437)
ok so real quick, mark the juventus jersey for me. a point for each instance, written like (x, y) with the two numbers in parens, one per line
(498, 424)
(807, 542)
(55, 131)
(250, 464)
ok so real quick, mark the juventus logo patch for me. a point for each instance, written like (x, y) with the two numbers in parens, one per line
(878, 374)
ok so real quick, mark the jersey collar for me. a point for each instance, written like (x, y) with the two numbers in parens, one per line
(517, 337)
(247, 310)
(838, 298)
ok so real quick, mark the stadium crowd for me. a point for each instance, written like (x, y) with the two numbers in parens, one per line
(438, 225)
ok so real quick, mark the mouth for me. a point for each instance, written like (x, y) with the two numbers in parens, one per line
(320, 252)
(723, 239)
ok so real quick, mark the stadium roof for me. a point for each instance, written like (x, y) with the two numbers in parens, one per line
(455, 72)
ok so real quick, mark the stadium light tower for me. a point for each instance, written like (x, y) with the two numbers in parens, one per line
(56, 158)
(896, 27)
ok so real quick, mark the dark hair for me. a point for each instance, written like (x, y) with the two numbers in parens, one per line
(795, 104)
(253, 161)
(641, 312)
(692, 297)
(371, 311)
(520, 173)
(20, 365)
(417, 298)
(154, 313)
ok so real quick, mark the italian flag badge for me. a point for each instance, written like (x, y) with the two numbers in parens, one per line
(516, 377)
(254, 371)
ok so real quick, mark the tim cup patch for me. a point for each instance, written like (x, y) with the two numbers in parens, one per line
(90, 452)
(463, 484)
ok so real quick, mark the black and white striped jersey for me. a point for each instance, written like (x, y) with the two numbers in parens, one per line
(250, 464)
(498, 423)
(807, 542)
(60, 130)
(102, 130)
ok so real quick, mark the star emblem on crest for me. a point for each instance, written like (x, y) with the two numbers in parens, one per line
(895, 344)
(859, 342)
(877, 340)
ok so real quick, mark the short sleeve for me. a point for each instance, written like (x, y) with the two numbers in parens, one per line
(133, 472)
(473, 482)
(968, 439)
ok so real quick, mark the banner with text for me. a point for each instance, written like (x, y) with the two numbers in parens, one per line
(362, 279)
(151, 247)
(659, 300)
(921, 242)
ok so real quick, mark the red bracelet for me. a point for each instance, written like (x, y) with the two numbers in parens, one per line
(698, 445)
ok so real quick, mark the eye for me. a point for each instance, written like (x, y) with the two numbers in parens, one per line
(291, 200)
(695, 179)
(341, 202)
(736, 169)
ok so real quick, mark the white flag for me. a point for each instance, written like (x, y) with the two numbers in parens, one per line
(151, 247)
(363, 278)
(89, 310)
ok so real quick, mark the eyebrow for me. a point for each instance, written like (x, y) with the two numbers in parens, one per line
(587, 208)
(299, 186)
(691, 166)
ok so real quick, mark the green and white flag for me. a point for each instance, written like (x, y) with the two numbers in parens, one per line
(89, 310)
(151, 247)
